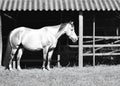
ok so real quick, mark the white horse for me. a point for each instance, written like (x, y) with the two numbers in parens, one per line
(36, 39)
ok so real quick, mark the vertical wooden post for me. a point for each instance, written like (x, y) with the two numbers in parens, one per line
(80, 39)
(117, 32)
(58, 60)
(93, 41)
(0, 40)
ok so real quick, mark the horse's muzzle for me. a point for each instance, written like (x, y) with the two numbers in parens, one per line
(74, 39)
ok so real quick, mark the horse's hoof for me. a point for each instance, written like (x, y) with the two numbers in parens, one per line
(48, 68)
(19, 69)
(44, 69)
(11, 70)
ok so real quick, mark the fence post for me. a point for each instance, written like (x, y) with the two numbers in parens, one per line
(94, 41)
(58, 60)
(0, 40)
(80, 56)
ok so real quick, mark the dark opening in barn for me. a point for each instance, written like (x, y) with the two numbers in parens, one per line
(37, 20)
(107, 24)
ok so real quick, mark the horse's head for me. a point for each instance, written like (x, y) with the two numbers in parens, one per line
(70, 32)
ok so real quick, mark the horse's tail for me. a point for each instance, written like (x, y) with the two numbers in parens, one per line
(7, 54)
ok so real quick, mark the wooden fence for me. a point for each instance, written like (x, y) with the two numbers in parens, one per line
(97, 46)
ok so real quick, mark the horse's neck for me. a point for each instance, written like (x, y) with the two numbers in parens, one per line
(60, 33)
(55, 30)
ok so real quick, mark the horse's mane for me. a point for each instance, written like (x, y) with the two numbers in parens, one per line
(64, 24)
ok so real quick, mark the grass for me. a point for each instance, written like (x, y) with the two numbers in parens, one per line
(66, 76)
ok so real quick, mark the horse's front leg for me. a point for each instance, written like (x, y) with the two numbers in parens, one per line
(45, 51)
(50, 52)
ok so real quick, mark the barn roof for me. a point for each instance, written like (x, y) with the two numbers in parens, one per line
(79, 5)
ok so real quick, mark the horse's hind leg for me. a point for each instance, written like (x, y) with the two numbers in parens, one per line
(19, 55)
(13, 51)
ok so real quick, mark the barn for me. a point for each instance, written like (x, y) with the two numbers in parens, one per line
(94, 20)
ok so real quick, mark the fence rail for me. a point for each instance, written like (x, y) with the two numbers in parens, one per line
(100, 46)
(103, 37)
(97, 45)
(101, 54)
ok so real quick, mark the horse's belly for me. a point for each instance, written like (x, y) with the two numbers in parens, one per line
(32, 43)
(33, 46)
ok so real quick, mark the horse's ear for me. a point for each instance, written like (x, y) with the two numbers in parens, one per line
(71, 22)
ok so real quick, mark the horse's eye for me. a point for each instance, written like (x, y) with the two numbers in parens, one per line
(72, 29)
